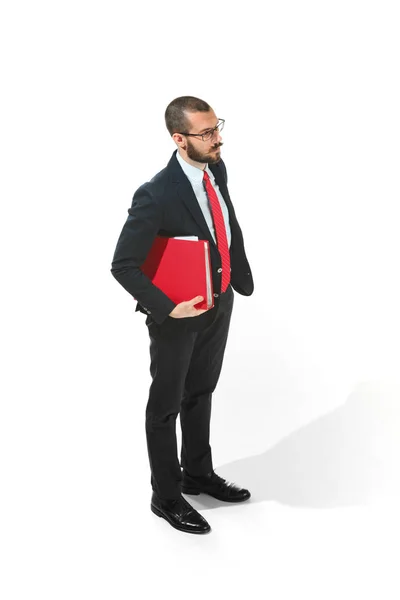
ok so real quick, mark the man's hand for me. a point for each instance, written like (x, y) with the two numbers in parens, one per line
(186, 309)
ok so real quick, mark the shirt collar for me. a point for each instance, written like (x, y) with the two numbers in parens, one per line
(194, 174)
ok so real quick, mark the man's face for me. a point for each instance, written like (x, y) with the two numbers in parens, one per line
(196, 149)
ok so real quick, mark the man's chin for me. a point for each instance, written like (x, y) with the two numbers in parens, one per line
(215, 156)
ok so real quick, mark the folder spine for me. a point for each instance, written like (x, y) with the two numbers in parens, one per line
(208, 273)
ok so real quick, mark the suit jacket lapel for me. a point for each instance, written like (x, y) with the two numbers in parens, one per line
(219, 178)
(185, 192)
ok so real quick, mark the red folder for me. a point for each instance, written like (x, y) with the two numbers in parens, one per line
(181, 269)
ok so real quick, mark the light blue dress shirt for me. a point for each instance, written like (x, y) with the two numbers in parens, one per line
(195, 176)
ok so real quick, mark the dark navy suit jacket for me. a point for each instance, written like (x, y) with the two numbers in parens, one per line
(167, 206)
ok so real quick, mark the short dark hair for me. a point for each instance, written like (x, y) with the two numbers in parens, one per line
(176, 118)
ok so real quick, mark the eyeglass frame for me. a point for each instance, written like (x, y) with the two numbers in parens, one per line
(213, 129)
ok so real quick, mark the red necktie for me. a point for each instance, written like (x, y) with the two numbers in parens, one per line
(220, 230)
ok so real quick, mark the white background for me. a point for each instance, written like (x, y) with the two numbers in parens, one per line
(306, 413)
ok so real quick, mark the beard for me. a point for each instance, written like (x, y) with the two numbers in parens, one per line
(202, 157)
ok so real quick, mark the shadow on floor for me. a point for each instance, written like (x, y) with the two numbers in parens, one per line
(347, 457)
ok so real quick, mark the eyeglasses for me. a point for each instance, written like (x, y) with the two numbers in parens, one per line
(207, 135)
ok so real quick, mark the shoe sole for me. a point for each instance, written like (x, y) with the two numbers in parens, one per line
(158, 512)
(193, 492)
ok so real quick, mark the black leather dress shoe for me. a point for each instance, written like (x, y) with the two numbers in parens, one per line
(180, 514)
(214, 486)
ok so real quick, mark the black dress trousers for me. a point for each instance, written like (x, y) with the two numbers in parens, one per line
(185, 368)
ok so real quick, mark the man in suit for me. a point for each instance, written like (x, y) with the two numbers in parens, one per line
(189, 197)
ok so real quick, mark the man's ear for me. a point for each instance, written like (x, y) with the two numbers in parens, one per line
(177, 138)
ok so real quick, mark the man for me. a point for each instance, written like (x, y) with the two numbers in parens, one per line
(189, 197)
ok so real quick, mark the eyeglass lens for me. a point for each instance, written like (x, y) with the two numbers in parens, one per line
(208, 135)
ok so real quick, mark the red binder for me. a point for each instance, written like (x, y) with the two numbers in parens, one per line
(181, 269)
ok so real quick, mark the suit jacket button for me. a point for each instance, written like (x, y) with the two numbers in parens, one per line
(219, 270)
(216, 295)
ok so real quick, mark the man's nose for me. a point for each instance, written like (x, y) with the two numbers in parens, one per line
(218, 137)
